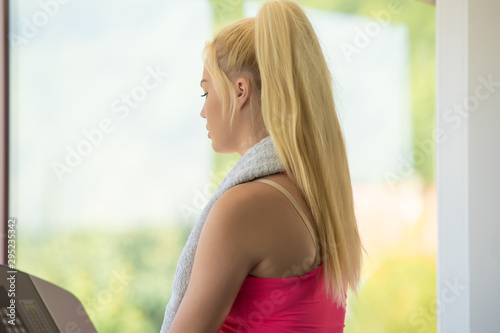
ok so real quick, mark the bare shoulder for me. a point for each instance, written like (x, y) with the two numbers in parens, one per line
(252, 201)
(246, 213)
(245, 203)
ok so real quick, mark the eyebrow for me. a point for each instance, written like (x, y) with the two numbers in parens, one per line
(202, 82)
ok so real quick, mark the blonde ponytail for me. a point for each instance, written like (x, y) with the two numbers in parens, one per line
(299, 112)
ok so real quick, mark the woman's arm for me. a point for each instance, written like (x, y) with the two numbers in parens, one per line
(225, 254)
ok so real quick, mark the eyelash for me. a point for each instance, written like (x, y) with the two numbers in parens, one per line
(204, 95)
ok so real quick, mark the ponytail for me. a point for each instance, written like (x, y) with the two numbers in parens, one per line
(299, 112)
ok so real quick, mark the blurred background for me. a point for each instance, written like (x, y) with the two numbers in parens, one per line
(111, 166)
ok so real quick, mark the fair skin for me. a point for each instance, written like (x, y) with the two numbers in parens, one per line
(243, 135)
(252, 229)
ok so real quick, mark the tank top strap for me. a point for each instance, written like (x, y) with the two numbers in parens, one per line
(299, 210)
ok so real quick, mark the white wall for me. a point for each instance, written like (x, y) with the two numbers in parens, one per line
(468, 165)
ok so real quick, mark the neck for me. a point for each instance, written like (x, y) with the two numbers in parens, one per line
(250, 142)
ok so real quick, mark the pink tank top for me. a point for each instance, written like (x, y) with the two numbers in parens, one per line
(293, 304)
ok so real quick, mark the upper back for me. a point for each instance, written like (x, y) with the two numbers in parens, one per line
(287, 230)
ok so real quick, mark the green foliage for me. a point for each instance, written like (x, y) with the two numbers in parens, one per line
(124, 280)
(399, 297)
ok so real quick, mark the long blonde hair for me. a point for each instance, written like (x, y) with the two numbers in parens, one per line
(280, 52)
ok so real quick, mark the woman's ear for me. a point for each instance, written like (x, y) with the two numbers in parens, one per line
(243, 90)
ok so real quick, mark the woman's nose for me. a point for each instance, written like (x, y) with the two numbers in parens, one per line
(202, 113)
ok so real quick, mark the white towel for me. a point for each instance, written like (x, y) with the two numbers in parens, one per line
(260, 160)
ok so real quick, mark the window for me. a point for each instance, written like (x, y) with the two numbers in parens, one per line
(107, 145)
(110, 166)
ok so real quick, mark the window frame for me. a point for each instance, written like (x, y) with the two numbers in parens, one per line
(4, 125)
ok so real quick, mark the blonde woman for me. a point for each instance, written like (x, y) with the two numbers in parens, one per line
(279, 253)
